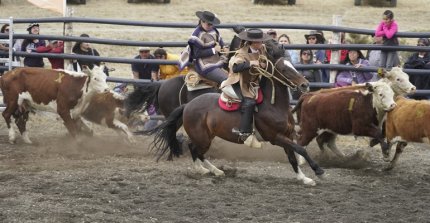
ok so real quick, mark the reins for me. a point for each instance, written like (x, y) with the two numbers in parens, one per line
(271, 75)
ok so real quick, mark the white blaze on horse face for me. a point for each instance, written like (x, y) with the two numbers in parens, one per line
(289, 64)
(98, 80)
(399, 81)
(383, 96)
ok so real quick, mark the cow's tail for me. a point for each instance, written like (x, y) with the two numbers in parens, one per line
(165, 135)
(297, 108)
(141, 98)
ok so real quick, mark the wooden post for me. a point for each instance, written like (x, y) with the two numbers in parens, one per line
(335, 54)
(68, 31)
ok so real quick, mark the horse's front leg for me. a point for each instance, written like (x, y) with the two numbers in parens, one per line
(290, 147)
(300, 175)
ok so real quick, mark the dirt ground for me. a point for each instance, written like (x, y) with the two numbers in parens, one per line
(105, 179)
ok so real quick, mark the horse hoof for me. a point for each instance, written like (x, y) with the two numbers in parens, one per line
(219, 173)
(322, 176)
(309, 182)
(319, 172)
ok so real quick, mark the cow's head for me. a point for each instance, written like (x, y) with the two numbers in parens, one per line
(383, 95)
(398, 80)
(97, 80)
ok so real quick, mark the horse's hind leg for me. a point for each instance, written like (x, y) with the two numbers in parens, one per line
(201, 164)
(300, 175)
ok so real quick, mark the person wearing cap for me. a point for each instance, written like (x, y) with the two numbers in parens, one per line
(273, 34)
(84, 48)
(245, 58)
(206, 46)
(31, 45)
(168, 71)
(315, 37)
(419, 60)
(145, 71)
(351, 77)
(54, 46)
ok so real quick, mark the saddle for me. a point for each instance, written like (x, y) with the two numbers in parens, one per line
(230, 101)
(195, 81)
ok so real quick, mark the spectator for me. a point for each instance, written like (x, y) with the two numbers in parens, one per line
(419, 60)
(387, 29)
(145, 71)
(273, 34)
(312, 75)
(349, 77)
(374, 56)
(343, 53)
(83, 48)
(316, 38)
(54, 46)
(290, 54)
(4, 47)
(168, 71)
(30, 46)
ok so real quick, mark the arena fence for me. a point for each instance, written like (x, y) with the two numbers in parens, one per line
(334, 29)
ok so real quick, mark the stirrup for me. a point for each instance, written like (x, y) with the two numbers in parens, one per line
(248, 139)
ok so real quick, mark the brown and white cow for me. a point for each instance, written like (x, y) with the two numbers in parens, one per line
(343, 112)
(107, 109)
(64, 92)
(399, 83)
(408, 122)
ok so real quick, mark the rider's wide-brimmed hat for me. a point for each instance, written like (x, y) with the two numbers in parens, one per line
(208, 17)
(253, 34)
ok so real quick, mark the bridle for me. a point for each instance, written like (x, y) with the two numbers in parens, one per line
(271, 74)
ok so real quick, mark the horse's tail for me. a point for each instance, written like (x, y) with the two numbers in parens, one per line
(165, 135)
(142, 97)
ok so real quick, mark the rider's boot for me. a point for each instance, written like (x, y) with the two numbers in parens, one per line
(245, 131)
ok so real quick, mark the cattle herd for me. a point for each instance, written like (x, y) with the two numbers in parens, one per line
(378, 110)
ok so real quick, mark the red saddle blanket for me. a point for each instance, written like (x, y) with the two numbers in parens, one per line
(234, 106)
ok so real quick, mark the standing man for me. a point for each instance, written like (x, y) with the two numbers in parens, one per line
(145, 70)
(148, 72)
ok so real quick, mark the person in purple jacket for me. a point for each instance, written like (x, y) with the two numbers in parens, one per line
(349, 77)
(387, 29)
(206, 47)
(30, 46)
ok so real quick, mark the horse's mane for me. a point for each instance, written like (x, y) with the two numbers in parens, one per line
(274, 52)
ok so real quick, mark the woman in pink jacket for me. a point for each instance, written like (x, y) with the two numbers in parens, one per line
(387, 29)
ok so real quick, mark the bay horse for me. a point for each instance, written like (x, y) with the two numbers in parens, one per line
(203, 119)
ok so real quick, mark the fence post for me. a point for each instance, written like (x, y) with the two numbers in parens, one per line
(68, 31)
(335, 54)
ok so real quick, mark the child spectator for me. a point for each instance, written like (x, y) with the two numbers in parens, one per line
(387, 29)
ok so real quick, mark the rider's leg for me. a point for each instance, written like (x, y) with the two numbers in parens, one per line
(218, 75)
(246, 121)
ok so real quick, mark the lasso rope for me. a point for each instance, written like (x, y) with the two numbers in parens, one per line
(271, 75)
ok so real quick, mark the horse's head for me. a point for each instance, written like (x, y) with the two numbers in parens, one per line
(284, 71)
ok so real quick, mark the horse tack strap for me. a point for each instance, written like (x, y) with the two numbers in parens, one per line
(351, 104)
